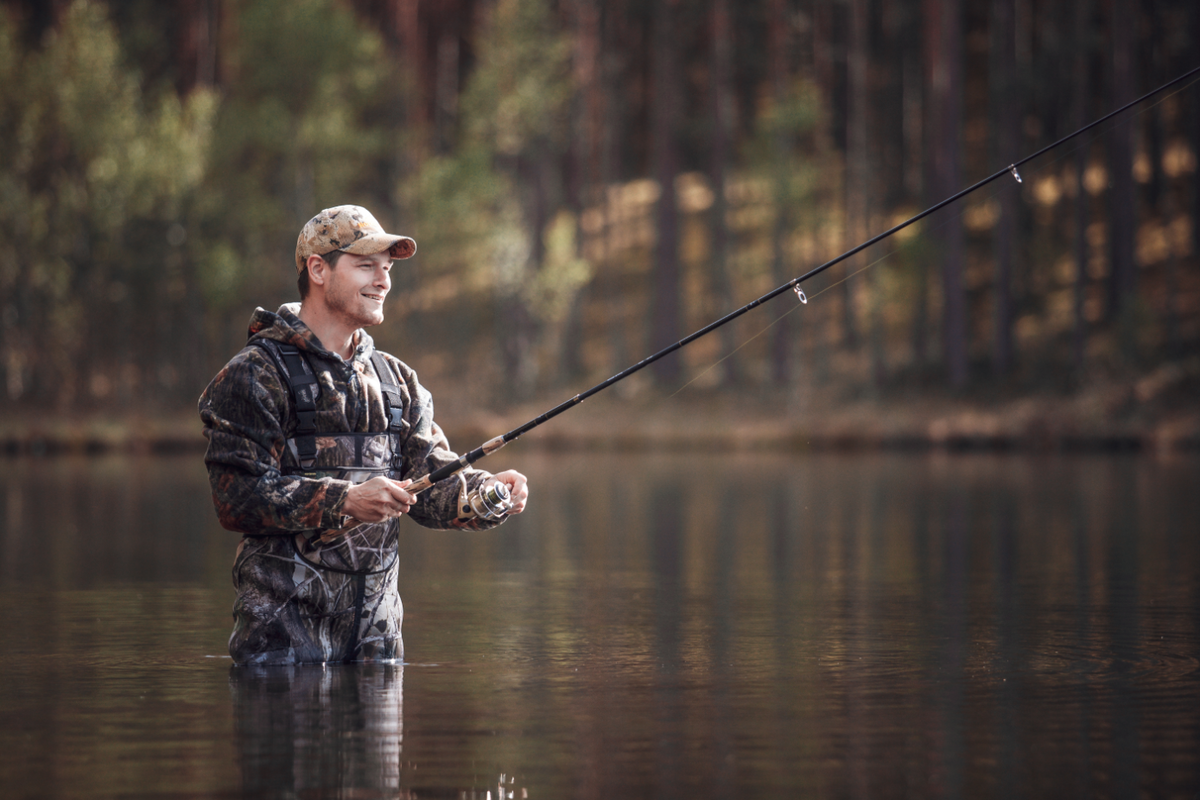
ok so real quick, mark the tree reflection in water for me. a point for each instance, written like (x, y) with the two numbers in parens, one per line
(672, 625)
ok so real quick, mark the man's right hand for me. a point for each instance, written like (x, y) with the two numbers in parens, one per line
(378, 499)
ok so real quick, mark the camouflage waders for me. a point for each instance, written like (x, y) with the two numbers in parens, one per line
(291, 427)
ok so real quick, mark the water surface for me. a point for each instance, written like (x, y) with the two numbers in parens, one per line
(654, 626)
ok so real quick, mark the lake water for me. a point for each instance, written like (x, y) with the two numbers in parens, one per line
(685, 626)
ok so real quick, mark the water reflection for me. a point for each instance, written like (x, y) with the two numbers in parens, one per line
(80, 522)
(721, 626)
(884, 625)
(313, 731)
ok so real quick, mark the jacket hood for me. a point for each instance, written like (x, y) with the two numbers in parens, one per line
(286, 327)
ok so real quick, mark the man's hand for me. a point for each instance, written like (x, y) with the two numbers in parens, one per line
(518, 488)
(378, 499)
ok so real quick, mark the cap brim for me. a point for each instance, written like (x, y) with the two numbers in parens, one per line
(396, 246)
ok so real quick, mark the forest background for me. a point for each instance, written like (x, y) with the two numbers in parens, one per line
(590, 181)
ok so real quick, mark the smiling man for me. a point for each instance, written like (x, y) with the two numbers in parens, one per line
(313, 438)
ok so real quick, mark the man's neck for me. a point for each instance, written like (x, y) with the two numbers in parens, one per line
(334, 334)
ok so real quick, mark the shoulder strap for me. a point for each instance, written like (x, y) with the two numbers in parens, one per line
(393, 401)
(392, 397)
(303, 387)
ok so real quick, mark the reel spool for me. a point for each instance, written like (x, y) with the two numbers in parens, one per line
(490, 501)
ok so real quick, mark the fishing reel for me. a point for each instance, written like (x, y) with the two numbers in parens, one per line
(490, 501)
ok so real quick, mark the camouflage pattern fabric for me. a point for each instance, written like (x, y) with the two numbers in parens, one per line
(301, 600)
(351, 229)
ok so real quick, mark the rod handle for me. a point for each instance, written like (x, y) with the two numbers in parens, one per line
(419, 485)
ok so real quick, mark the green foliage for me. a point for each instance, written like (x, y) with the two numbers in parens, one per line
(144, 224)
(772, 151)
(461, 200)
(517, 98)
(89, 160)
(293, 135)
(551, 291)
(475, 219)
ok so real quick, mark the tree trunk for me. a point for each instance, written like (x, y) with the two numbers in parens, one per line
(408, 31)
(1122, 273)
(944, 29)
(404, 112)
(584, 186)
(1004, 88)
(665, 311)
(859, 169)
(446, 91)
(777, 65)
(825, 152)
(196, 45)
(1082, 201)
(916, 182)
(722, 122)
(1155, 66)
(518, 330)
(612, 132)
(1193, 117)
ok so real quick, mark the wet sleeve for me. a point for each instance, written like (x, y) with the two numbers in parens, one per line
(241, 410)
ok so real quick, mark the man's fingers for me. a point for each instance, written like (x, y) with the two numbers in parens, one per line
(386, 490)
(518, 488)
(397, 489)
(378, 499)
(392, 499)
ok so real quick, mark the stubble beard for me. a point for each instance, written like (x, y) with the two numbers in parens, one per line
(353, 308)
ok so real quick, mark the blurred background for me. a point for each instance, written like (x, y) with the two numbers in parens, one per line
(590, 181)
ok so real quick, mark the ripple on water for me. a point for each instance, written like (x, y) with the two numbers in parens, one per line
(1148, 648)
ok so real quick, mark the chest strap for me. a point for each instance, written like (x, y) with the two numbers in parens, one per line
(303, 387)
(393, 403)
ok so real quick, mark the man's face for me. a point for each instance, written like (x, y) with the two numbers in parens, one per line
(356, 287)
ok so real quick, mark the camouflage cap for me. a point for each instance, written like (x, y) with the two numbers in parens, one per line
(351, 229)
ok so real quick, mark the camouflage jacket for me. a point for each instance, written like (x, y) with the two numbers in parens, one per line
(299, 599)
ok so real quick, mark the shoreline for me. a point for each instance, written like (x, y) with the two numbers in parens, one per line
(1026, 426)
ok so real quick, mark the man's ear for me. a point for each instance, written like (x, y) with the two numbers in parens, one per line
(318, 270)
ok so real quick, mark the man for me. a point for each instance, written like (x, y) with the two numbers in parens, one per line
(313, 437)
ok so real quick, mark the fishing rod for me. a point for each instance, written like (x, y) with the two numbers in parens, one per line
(493, 501)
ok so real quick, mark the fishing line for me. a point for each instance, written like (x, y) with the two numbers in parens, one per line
(1012, 170)
(1103, 131)
(777, 320)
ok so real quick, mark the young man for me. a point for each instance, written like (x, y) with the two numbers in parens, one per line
(313, 437)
